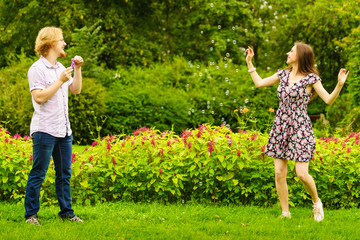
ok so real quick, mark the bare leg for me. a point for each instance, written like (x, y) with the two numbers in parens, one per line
(302, 171)
(280, 182)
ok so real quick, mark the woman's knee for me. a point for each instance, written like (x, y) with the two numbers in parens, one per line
(303, 176)
(280, 174)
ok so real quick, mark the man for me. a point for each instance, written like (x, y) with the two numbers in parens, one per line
(50, 128)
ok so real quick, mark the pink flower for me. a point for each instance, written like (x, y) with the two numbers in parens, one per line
(94, 143)
(163, 134)
(254, 136)
(161, 172)
(169, 143)
(153, 142)
(73, 158)
(16, 136)
(210, 146)
(113, 161)
(348, 150)
(189, 145)
(6, 140)
(161, 151)
(239, 153)
(31, 158)
(108, 146)
(91, 158)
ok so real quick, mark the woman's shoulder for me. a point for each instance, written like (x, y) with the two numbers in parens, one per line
(282, 73)
(313, 78)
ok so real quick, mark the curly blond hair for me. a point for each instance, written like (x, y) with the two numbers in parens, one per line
(46, 38)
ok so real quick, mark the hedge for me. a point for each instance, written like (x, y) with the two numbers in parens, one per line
(209, 164)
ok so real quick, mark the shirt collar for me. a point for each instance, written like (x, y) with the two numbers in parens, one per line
(48, 64)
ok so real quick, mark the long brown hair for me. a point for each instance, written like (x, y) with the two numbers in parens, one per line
(306, 61)
(305, 57)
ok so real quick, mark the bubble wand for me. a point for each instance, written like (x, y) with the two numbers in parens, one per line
(72, 63)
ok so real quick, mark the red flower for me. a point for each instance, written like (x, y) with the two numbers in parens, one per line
(16, 136)
(239, 153)
(161, 151)
(161, 172)
(73, 158)
(31, 158)
(6, 140)
(254, 136)
(108, 145)
(348, 150)
(153, 142)
(189, 145)
(94, 143)
(113, 161)
(91, 158)
(169, 143)
(210, 146)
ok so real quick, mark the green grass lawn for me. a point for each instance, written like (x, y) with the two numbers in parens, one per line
(178, 221)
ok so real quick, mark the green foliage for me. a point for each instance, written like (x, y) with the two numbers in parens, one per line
(15, 165)
(208, 164)
(86, 112)
(180, 95)
(15, 99)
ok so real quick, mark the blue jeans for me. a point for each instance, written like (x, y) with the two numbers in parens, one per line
(45, 146)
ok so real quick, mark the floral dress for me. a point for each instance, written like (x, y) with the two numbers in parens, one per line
(291, 136)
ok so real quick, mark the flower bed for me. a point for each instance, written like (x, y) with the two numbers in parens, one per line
(209, 164)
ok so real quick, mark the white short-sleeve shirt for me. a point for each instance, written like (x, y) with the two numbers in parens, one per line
(52, 116)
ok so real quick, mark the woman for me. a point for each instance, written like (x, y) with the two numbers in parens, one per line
(291, 137)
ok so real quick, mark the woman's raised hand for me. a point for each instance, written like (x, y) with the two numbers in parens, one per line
(250, 54)
(343, 73)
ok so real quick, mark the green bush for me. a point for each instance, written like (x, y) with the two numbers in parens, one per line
(15, 100)
(86, 111)
(208, 164)
(180, 95)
